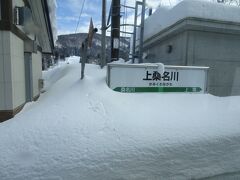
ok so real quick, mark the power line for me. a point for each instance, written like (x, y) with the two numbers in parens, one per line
(80, 16)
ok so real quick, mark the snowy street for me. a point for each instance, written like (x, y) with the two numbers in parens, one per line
(81, 129)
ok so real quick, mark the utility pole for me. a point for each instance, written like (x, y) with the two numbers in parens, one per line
(103, 50)
(115, 30)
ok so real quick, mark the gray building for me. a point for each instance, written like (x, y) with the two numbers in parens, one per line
(201, 42)
(198, 33)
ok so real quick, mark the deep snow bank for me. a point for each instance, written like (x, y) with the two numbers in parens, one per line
(83, 130)
(164, 17)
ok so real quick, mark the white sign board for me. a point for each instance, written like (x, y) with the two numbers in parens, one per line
(130, 78)
(116, 43)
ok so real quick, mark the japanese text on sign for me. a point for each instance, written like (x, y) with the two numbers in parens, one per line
(166, 76)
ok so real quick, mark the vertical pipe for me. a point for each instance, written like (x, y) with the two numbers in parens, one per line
(115, 31)
(135, 33)
(142, 32)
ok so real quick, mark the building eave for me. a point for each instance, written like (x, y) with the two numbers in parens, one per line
(48, 24)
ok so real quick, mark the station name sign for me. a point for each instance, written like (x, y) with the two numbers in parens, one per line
(147, 78)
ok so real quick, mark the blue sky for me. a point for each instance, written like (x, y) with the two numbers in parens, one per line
(68, 12)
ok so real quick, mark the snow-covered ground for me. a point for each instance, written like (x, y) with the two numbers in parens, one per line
(83, 130)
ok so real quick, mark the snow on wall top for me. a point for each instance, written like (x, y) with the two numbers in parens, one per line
(164, 17)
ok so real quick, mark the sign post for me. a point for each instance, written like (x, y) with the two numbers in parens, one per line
(87, 43)
(136, 78)
(84, 56)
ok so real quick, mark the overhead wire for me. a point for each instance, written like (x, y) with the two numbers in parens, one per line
(79, 18)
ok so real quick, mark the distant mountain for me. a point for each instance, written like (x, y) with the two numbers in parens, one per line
(70, 44)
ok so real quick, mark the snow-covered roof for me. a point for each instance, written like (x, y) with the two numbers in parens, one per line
(164, 17)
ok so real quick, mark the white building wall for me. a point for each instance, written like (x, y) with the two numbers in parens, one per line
(2, 98)
(6, 101)
(18, 70)
(12, 79)
(2, 92)
(36, 71)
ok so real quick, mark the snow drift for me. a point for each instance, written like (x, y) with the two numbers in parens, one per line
(83, 130)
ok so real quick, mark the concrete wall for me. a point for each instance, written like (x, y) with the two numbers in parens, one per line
(36, 71)
(12, 77)
(219, 51)
(158, 52)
